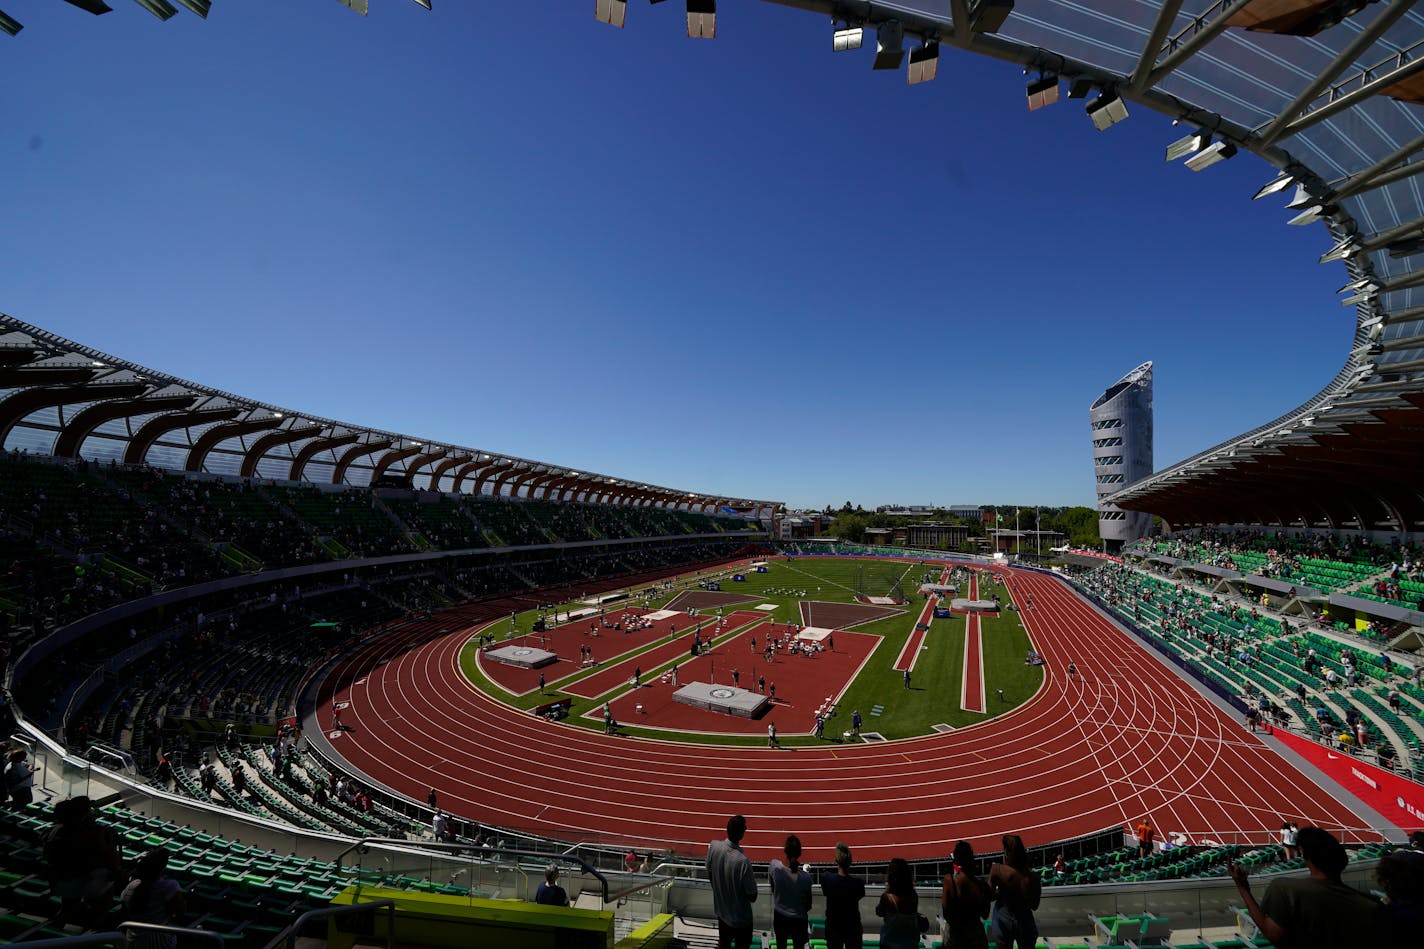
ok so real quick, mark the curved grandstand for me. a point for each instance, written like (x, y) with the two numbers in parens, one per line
(183, 554)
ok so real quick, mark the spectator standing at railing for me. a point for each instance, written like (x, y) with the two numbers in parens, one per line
(791, 895)
(1318, 910)
(734, 887)
(549, 892)
(964, 901)
(1016, 890)
(19, 778)
(843, 894)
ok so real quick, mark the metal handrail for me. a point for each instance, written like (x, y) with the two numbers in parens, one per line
(285, 937)
(88, 939)
(121, 938)
(125, 760)
(216, 937)
(472, 850)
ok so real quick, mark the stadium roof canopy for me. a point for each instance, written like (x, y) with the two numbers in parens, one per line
(58, 397)
(1328, 92)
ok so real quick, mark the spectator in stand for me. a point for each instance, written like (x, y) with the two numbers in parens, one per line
(791, 898)
(1289, 833)
(734, 888)
(82, 861)
(843, 894)
(1401, 877)
(899, 907)
(549, 892)
(1016, 890)
(1145, 835)
(964, 901)
(153, 897)
(19, 779)
(1317, 911)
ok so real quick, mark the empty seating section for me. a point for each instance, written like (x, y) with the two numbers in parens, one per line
(1254, 654)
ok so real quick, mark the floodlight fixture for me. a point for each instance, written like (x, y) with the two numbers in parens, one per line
(612, 12)
(889, 45)
(847, 37)
(1280, 183)
(9, 24)
(1188, 145)
(201, 7)
(159, 8)
(989, 15)
(1041, 92)
(1303, 199)
(924, 63)
(1347, 246)
(702, 19)
(1211, 155)
(1363, 285)
(1309, 216)
(1408, 248)
(1106, 111)
(1079, 88)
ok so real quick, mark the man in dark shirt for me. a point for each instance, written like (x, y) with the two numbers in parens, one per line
(1314, 911)
(549, 892)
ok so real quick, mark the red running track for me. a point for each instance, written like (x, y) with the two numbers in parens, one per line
(1128, 737)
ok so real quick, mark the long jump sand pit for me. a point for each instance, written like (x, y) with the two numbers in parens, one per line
(842, 615)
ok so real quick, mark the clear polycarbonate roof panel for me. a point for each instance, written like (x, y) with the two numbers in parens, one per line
(1249, 78)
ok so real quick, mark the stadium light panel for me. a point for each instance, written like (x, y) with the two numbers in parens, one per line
(924, 63)
(201, 7)
(1347, 246)
(612, 12)
(847, 37)
(702, 19)
(1079, 88)
(1309, 216)
(9, 24)
(1211, 155)
(1303, 199)
(889, 45)
(1280, 183)
(1402, 249)
(1041, 92)
(159, 8)
(1188, 144)
(989, 15)
(1106, 111)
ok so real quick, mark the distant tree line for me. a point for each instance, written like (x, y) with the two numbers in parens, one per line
(1078, 524)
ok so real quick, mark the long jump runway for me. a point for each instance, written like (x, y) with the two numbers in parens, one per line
(1126, 738)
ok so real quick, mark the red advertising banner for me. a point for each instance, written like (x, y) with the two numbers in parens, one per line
(1395, 797)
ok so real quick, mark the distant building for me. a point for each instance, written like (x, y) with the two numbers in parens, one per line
(801, 526)
(881, 536)
(1121, 420)
(1026, 542)
(970, 512)
(935, 535)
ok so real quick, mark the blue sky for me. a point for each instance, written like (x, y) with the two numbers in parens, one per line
(747, 266)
